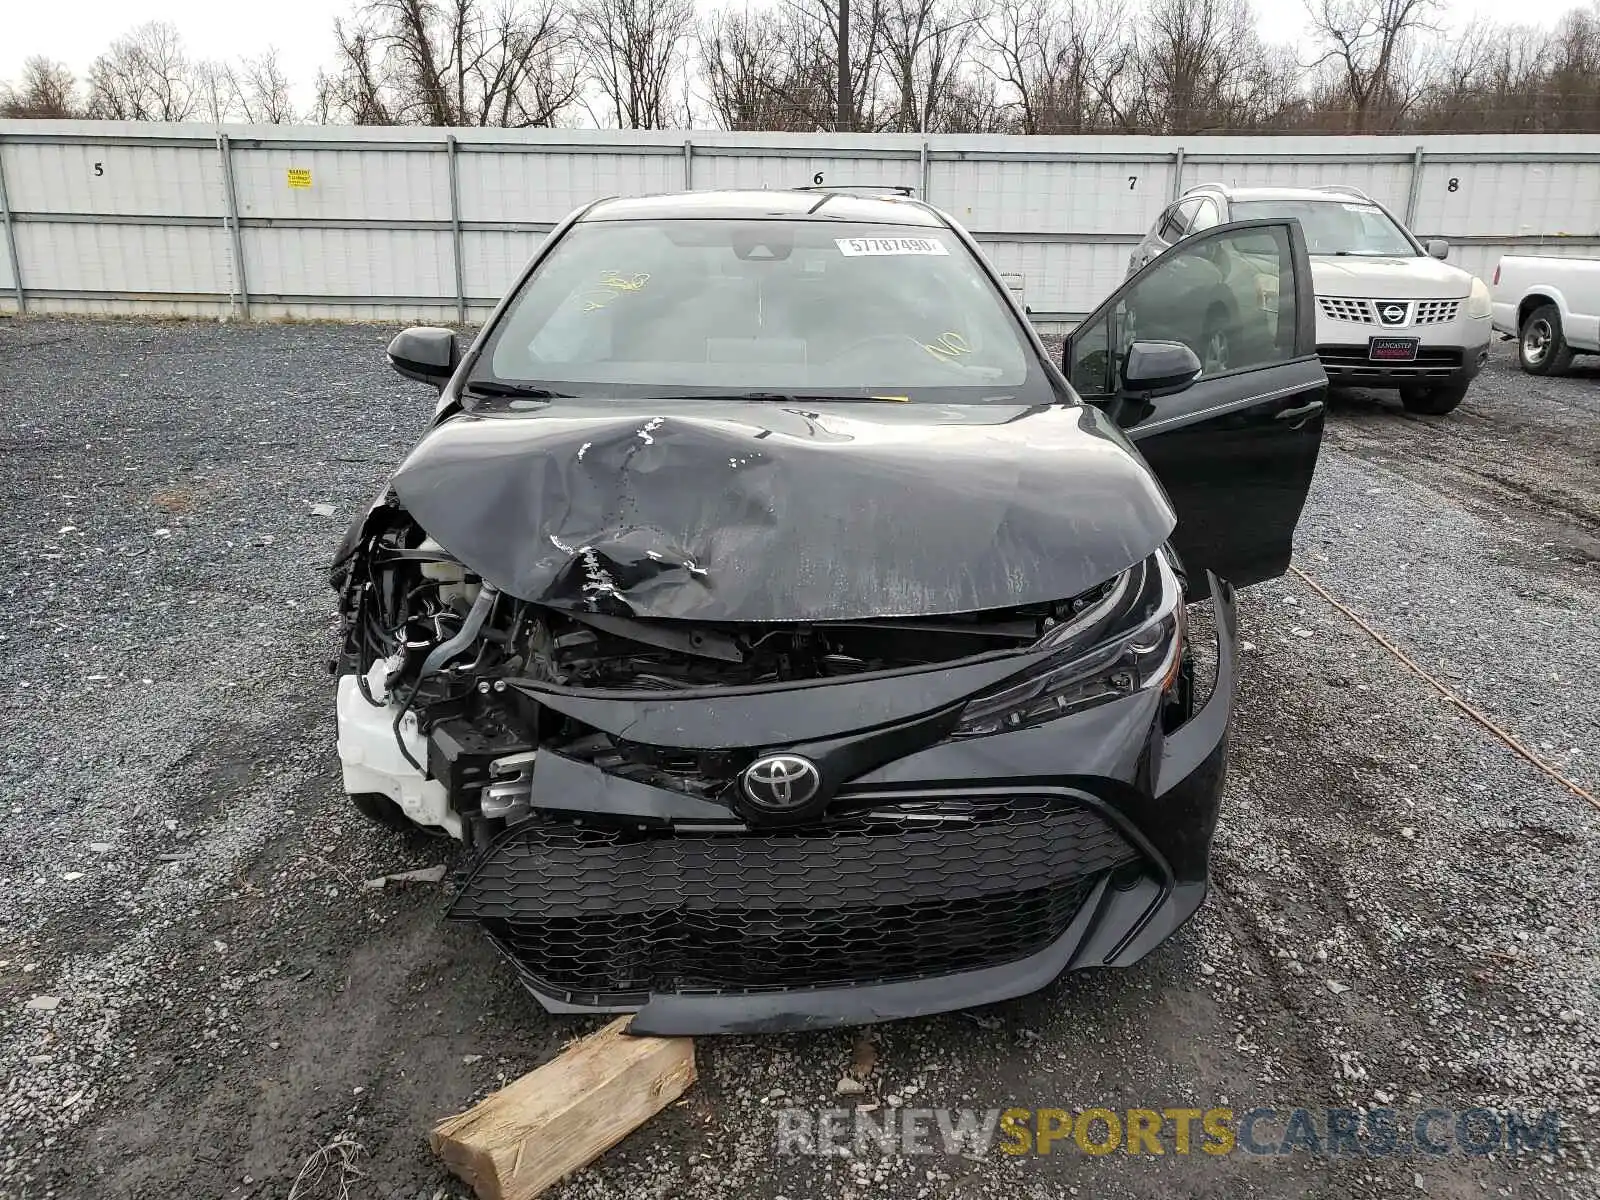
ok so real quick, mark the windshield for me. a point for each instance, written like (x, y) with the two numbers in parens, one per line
(1335, 226)
(777, 308)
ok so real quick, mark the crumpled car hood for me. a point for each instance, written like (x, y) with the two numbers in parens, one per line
(753, 511)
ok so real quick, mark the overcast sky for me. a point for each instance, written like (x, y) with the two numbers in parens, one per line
(74, 31)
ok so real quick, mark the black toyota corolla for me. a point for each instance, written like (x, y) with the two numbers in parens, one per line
(790, 641)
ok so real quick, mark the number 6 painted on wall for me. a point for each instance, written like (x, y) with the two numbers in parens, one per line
(817, 178)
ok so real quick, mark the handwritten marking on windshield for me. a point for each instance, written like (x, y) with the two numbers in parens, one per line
(613, 285)
(948, 347)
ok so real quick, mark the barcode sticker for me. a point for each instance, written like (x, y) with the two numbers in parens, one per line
(859, 247)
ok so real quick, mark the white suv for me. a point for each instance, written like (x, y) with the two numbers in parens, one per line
(1389, 314)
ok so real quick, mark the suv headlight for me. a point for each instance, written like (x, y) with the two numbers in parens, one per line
(1478, 301)
(1127, 639)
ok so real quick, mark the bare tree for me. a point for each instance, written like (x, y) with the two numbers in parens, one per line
(760, 73)
(812, 91)
(741, 57)
(47, 91)
(144, 76)
(261, 90)
(1200, 67)
(1572, 84)
(451, 62)
(970, 104)
(212, 90)
(924, 44)
(1058, 63)
(632, 49)
(1366, 46)
(1026, 66)
(250, 89)
(360, 89)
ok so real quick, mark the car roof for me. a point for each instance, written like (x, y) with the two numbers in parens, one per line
(1278, 193)
(768, 204)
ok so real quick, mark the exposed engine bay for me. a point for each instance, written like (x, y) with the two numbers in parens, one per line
(429, 650)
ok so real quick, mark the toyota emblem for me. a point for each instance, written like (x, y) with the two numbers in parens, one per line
(780, 783)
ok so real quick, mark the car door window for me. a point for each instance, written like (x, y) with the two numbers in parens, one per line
(1167, 228)
(1175, 223)
(1229, 297)
(1205, 217)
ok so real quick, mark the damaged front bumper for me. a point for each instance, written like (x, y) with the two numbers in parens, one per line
(945, 873)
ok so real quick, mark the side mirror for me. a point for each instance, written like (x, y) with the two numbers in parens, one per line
(1159, 368)
(1438, 248)
(425, 353)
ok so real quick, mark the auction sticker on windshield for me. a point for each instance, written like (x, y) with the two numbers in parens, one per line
(857, 247)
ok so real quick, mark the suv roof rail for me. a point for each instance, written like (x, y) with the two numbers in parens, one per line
(904, 189)
(1341, 189)
(1344, 189)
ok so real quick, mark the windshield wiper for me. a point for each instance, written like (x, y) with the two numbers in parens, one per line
(481, 387)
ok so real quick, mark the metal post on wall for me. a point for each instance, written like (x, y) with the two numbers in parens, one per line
(227, 228)
(1416, 188)
(923, 193)
(688, 165)
(1177, 173)
(455, 229)
(11, 236)
(225, 149)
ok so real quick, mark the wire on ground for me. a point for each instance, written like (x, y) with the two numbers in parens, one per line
(1475, 713)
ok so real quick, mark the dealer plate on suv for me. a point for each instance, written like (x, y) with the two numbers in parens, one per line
(1392, 349)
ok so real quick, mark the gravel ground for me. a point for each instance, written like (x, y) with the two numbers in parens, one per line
(199, 992)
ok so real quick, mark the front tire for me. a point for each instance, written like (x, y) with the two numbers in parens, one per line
(1541, 346)
(1434, 401)
(380, 810)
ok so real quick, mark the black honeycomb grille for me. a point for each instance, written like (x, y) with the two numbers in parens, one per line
(907, 892)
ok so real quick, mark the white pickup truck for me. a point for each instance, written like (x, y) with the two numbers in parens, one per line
(1551, 306)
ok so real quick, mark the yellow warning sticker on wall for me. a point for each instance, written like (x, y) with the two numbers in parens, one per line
(299, 177)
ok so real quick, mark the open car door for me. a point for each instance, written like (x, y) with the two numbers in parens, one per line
(1207, 360)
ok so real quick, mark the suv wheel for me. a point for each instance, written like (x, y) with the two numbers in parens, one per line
(1216, 343)
(1541, 348)
(1434, 401)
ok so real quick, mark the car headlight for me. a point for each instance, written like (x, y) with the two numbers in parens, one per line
(1478, 302)
(1127, 639)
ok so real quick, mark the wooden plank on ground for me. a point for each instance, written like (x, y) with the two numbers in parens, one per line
(518, 1141)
